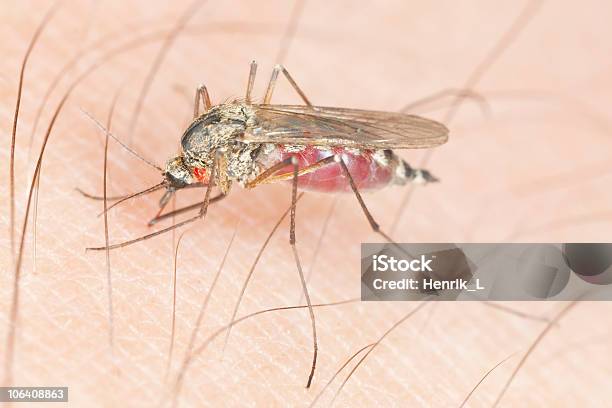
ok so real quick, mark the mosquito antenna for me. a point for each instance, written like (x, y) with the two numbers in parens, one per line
(126, 147)
(143, 192)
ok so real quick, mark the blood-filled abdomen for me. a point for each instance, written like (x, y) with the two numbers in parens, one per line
(369, 169)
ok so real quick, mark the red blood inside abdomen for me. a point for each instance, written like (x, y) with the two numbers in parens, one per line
(366, 172)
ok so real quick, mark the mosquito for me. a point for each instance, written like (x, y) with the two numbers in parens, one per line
(324, 149)
(318, 148)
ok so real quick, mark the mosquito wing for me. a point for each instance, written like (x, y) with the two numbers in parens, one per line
(325, 126)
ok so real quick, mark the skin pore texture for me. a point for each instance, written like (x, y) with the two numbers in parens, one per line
(532, 164)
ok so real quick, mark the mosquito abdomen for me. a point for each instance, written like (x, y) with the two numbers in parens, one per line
(370, 169)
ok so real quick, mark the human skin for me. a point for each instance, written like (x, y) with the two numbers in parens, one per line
(535, 170)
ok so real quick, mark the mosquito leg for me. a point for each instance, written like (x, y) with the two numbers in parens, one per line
(451, 92)
(305, 170)
(373, 223)
(271, 85)
(185, 209)
(295, 86)
(270, 171)
(201, 94)
(262, 178)
(294, 162)
(251, 82)
(245, 284)
(166, 199)
(319, 245)
(213, 171)
(269, 175)
(138, 194)
(279, 68)
(100, 198)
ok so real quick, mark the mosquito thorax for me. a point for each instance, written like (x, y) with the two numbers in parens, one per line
(214, 131)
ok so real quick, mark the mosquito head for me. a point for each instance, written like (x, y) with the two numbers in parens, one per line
(177, 174)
